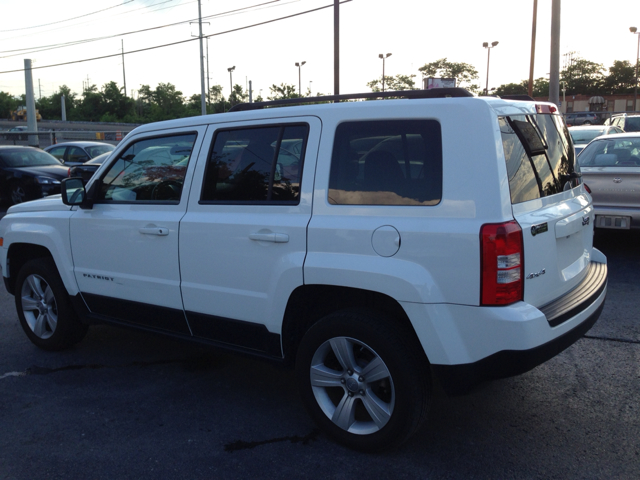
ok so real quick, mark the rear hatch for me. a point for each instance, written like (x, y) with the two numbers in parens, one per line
(549, 203)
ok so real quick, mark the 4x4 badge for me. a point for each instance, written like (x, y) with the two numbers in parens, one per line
(536, 229)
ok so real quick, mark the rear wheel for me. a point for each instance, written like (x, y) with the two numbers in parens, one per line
(362, 380)
(43, 307)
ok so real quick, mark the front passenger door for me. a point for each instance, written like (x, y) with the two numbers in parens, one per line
(125, 248)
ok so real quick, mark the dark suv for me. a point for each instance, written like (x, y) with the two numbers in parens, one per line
(586, 118)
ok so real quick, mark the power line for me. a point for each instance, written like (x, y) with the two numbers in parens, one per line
(180, 42)
(69, 19)
(44, 48)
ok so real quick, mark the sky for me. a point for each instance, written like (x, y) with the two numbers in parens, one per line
(415, 32)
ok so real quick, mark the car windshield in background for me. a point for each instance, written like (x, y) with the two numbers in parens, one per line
(585, 136)
(99, 149)
(624, 152)
(27, 158)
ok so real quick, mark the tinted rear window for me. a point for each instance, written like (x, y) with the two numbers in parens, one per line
(539, 155)
(397, 162)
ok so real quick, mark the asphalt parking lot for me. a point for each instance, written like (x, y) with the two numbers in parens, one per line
(123, 404)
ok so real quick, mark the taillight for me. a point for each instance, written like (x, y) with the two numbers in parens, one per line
(586, 187)
(68, 172)
(502, 258)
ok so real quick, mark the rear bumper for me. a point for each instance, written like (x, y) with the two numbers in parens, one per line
(466, 344)
(507, 363)
(616, 212)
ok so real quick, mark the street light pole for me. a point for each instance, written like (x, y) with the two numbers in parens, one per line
(299, 65)
(486, 45)
(230, 70)
(383, 57)
(634, 30)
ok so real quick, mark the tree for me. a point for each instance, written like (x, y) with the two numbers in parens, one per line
(238, 95)
(540, 88)
(583, 77)
(621, 78)
(115, 104)
(283, 91)
(8, 103)
(399, 82)
(464, 73)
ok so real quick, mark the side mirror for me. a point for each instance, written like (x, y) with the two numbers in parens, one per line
(73, 192)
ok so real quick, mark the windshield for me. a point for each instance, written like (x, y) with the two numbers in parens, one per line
(623, 152)
(99, 149)
(27, 158)
(585, 136)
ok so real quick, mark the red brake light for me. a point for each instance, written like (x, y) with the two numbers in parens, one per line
(586, 187)
(502, 258)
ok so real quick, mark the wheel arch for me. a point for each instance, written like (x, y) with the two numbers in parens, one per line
(309, 303)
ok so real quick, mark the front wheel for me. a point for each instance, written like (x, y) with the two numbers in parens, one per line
(43, 306)
(363, 381)
(18, 193)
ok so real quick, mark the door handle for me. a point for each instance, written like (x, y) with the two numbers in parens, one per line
(270, 237)
(153, 230)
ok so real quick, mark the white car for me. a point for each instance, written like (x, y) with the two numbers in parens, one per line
(372, 245)
(582, 135)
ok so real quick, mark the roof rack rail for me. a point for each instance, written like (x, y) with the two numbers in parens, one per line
(518, 96)
(433, 93)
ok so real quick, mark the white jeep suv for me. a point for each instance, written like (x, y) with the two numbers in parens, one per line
(373, 245)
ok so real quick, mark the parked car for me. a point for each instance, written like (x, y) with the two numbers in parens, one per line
(77, 153)
(87, 169)
(627, 122)
(582, 135)
(610, 166)
(583, 118)
(373, 246)
(15, 133)
(27, 173)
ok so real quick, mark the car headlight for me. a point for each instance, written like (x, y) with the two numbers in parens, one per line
(47, 181)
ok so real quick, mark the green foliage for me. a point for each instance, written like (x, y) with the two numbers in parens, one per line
(583, 77)
(282, 91)
(464, 73)
(399, 82)
(8, 103)
(621, 78)
(540, 88)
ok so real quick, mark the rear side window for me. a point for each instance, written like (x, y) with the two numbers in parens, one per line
(261, 164)
(539, 156)
(397, 162)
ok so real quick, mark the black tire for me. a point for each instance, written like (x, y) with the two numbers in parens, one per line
(398, 390)
(587, 123)
(43, 306)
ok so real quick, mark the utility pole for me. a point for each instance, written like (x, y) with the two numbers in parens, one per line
(32, 124)
(336, 47)
(554, 78)
(124, 78)
(533, 46)
(39, 90)
(208, 88)
(203, 103)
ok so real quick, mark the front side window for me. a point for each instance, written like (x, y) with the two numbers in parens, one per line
(258, 164)
(539, 156)
(150, 170)
(396, 162)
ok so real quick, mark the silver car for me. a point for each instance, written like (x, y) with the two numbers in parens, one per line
(610, 167)
(583, 134)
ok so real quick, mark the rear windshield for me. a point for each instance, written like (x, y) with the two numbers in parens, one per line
(620, 152)
(539, 155)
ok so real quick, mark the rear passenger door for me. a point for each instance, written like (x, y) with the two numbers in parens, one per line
(243, 240)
